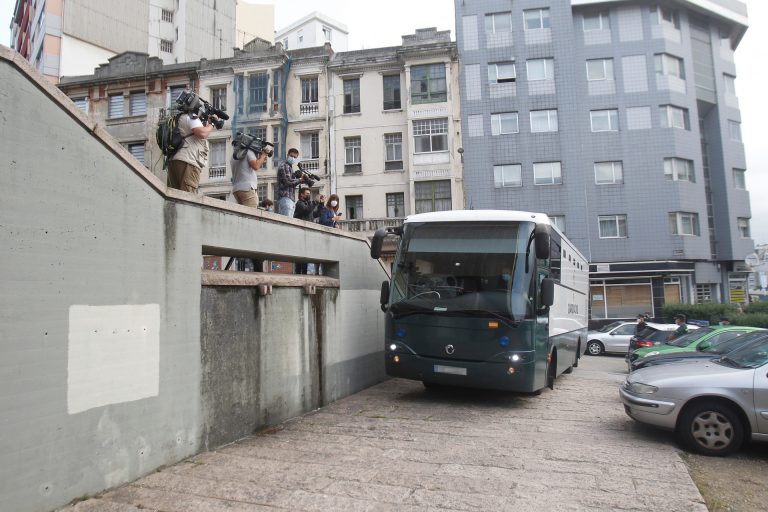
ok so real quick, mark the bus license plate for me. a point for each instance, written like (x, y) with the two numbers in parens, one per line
(453, 370)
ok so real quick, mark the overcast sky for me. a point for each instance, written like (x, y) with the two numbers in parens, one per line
(375, 24)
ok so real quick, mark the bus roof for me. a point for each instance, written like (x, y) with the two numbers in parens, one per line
(479, 215)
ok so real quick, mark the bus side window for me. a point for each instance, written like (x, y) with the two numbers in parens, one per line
(554, 259)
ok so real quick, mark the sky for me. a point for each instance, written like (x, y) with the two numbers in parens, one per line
(376, 24)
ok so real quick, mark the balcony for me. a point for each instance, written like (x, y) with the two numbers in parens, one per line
(309, 109)
(312, 166)
(368, 226)
(217, 172)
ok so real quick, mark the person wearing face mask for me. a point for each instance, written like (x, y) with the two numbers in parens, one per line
(306, 208)
(286, 184)
(267, 204)
(330, 214)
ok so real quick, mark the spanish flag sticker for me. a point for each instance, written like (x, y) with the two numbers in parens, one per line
(493, 325)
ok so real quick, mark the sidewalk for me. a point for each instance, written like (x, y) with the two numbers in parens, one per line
(398, 447)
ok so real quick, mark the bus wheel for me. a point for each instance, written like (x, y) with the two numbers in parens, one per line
(578, 356)
(552, 372)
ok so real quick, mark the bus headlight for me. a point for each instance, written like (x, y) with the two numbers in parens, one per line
(393, 347)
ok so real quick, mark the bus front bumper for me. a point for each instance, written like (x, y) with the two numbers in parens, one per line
(471, 374)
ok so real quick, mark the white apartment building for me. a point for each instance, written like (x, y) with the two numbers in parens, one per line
(315, 29)
(395, 130)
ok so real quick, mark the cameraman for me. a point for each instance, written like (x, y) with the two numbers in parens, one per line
(286, 184)
(245, 163)
(306, 208)
(185, 166)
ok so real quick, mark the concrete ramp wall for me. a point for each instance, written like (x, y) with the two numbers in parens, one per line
(118, 354)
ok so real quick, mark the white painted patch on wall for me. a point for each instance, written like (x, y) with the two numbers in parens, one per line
(113, 356)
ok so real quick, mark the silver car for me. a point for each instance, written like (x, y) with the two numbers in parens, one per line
(615, 337)
(712, 405)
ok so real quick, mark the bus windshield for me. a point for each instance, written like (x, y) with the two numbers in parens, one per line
(465, 269)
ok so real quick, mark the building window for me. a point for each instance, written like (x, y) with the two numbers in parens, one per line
(609, 173)
(674, 117)
(432, 196)
(352, 155)
(351, 95)
(354, 207)
(501, 72)
(543, 121)
(604, 120)
(137, 150)
(327, 34)
(540, 69)
(600, 69)
(684, 223)
(428, 83)
(166, 46)
(277, 84)
(138, 102)
(498, 22)
(667, 16)
(396, 205)
(81, 103)
(309, 90)
(678, 169)
(505, 122)
(240, 93)
(536, 18)
(703, 294)
(262, 191)
(430, 136)
(730, 84)
(596, 21)
(258, 85)
(393, 151)
(219, 97)
(310, 145)
(217, 164)
(612, 226)
(116, 105)
(739, 179)
(743, 224)
(508, 175)
(276, 141)
(734, 129)
(670, 65)
(558, 221)
(547, 173)
(392, 92)
(167, 16)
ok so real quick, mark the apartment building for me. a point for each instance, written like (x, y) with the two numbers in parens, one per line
(395, 129)
(620, 120)
(71, 38)
(314, 29)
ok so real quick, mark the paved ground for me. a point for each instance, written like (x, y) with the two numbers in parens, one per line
(399, 447)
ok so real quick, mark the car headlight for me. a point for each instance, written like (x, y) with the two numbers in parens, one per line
(654, 353)
(642, 389)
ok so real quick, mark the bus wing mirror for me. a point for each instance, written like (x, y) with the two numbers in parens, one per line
(541, 234)
(378, 242)
(547, 291)
(384, 298)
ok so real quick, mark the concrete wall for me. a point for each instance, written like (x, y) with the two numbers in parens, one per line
(115, 358)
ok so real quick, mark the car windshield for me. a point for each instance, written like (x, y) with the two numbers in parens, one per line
(610, 326)
(691, 337)
(751, 356)
(465, 269)
(735, 343)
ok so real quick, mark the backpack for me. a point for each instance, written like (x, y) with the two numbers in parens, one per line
(169, 138)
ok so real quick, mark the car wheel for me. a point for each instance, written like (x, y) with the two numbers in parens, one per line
(594, 348)
(710, 428)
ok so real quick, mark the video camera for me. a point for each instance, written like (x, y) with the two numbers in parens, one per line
(191, 103)
(243, 142)
(309, 178)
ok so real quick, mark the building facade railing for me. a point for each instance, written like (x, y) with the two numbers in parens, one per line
(370, 225)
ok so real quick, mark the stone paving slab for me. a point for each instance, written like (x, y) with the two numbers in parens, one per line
(399, 447)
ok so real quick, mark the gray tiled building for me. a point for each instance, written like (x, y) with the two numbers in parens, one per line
(619, 119)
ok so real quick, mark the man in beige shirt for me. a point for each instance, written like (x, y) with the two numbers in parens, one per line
(185, 166)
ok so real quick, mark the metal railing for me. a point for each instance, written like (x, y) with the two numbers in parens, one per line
(217, 172)
(311, 165)
(370, 225)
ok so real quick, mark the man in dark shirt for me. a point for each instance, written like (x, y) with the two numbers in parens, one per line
(640, 324)
(287, 183)
(682, 328)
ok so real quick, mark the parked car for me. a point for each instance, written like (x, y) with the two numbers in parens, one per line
(689, 342)
(705, 351)
(651, 337)
(712, 405)
(615, 337)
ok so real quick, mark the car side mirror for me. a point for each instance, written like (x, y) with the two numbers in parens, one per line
(384, 297)
(704, 346)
